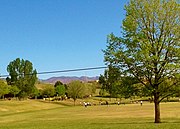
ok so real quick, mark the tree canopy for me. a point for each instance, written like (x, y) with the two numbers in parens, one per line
(22, 75)
(116, 85)
(60, 90)
(149, 48)
(48, 90)
(76, 89)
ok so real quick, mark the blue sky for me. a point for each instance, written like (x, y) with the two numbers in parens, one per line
(58, 34)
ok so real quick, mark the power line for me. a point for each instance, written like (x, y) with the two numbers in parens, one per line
(65, 71)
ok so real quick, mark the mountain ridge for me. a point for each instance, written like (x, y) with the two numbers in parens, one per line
(68, 79)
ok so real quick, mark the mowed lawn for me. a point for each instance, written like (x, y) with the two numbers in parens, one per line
(33, 114)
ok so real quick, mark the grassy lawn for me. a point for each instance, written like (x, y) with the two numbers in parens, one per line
(39, 115)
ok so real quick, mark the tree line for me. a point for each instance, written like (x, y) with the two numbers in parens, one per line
(116, 85)
(23, 79)
(144, 61)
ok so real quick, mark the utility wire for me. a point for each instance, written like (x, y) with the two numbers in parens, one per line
(64, 71)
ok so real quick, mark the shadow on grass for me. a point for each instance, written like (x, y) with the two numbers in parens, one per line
(57, 102)
(149, 121)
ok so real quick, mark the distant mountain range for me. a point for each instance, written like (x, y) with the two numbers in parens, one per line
(66, 79)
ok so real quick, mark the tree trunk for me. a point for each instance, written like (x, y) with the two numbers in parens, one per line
(74, 102)
(157, 109)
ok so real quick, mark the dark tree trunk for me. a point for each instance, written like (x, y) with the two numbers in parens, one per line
(157, 108)
(74, 100)
(49, 99)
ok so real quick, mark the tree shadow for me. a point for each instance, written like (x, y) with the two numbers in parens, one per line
(139, 123)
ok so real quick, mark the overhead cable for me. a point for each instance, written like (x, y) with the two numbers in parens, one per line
(65, 71)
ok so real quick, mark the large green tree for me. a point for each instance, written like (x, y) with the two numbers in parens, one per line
(109, 80)
(149, 48)
(60, 89)
(22, 75)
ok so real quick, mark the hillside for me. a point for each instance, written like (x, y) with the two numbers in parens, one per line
(65, 79)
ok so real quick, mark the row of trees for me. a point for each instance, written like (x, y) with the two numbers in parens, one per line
(13, 91)
(145, 59)
(48, 90)
(74, 90)
(77, 89)
(118, 85)
(22, 79)
(5, 89)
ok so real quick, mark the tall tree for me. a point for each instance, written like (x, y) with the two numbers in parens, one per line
(109, 80)
(60, 89)
(149, 48)
(22, 75)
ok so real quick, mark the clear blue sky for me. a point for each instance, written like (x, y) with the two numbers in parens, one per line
(58, 34)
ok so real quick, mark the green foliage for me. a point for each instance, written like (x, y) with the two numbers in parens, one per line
(35, 93)
(22, 75)
(94, 85)
(4, 89)
(76, 89)
(109, 80)
(48, 90)
(22, 95)
(14, 90)
(60, 90)
(149, 49)
(90, 89)
(102, 92)
(117, 85)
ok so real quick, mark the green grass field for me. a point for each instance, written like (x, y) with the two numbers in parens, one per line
(33, 114)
